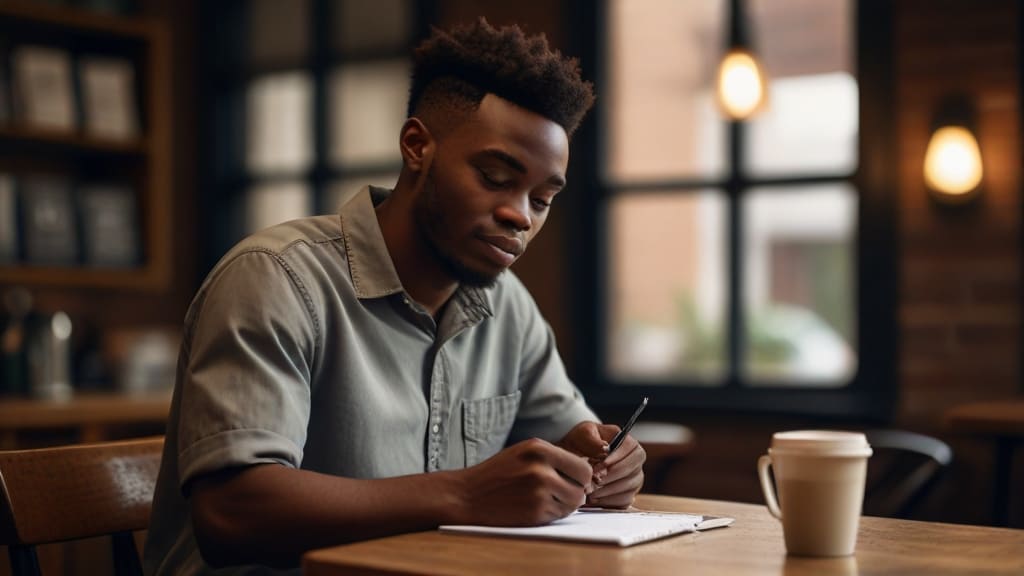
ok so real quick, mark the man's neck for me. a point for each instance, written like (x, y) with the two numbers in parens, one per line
(417, 267)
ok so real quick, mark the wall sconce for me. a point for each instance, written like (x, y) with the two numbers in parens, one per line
(952, 161)
(741, 84)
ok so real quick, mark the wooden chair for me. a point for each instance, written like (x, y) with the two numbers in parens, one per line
(73, 492)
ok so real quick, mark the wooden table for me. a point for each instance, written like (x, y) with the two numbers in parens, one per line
(1003, 421)
(753, 545)
(92, 415)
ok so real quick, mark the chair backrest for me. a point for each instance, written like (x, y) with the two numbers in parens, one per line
(667, 444)
(903, 469)
(73, 492)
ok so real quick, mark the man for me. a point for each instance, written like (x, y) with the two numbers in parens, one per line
(354, 376)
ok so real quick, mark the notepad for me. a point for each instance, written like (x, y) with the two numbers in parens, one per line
(623, 528)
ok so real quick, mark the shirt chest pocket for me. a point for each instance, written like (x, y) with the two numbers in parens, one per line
(486, 424)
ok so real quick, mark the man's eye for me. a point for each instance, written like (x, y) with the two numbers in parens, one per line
(541, 204)
(494, 180)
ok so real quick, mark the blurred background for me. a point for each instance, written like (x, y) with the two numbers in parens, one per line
(784, 265)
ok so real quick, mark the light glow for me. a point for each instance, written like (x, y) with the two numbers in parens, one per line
(741, 85)
(952, 162)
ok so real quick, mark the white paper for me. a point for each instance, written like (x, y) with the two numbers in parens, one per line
(605, 526)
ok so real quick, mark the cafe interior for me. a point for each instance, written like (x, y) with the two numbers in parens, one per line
(780, 215)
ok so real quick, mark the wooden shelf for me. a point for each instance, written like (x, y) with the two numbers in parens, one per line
(96, 416)
(32, 137)
(143, 163)
(80, 276)
(75, 20)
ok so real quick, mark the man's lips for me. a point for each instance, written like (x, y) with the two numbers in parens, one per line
(510, 244)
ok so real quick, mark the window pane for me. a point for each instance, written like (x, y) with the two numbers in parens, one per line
(367, 110)
(800, 301)
(667, 286)
(278, 32)
(361, 27)
(341, 191)
(810, 125)
(661, 113)
(279, 109)
(271, 203)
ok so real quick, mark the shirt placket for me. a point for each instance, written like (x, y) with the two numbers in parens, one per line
(437, 445)
(443, 385)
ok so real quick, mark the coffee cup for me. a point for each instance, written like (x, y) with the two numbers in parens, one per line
(819, 478)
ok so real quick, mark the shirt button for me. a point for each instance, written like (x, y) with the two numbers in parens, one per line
(436, 428)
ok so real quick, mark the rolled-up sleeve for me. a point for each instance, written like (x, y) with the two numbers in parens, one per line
(247, 368)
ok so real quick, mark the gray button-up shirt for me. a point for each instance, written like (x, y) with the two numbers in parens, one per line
(302, 348)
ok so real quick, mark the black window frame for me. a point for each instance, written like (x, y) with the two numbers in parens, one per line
(871, 394)
(227, 70)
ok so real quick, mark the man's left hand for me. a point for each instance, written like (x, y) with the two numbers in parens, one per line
(617, 476)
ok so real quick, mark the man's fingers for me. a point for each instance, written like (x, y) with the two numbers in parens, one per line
(567, 476)
(618, 493)
(568, 496)
(587, 488)
(620, 500)
(607, 431)
(629, 444)
(628, 464)
(571, 466)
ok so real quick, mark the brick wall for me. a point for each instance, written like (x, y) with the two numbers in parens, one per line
(959, 313)
(960, 267)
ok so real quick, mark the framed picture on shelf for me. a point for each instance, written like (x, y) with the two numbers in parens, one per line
(110, 230)
(48, 214)
(43, 89)
(8, 220)
(108, 95)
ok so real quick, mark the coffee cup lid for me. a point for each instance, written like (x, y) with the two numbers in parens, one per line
(833, 442)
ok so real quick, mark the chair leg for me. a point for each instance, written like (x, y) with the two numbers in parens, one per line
(24, 561)
(126, 555)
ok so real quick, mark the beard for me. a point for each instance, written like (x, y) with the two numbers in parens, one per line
(431, 219)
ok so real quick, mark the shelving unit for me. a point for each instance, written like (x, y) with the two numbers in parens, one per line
(143, 162)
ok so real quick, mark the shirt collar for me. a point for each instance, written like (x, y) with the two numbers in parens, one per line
(369, 262)
(373, 272)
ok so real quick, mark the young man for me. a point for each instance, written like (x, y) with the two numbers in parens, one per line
(354, 376)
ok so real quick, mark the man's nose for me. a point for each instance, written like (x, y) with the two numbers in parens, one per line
(514, 211)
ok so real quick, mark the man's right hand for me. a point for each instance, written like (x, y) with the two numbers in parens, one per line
(271, 514)
(530, 483)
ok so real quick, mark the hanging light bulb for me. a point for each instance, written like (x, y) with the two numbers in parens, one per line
(952, 162)
(741, 84)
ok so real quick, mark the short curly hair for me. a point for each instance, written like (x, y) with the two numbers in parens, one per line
(453, 71)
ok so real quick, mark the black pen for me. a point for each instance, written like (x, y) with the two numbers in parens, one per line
(629, 426)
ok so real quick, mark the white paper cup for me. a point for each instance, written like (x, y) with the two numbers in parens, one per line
(819, 478)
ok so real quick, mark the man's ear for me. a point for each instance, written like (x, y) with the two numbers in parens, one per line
(417, 145)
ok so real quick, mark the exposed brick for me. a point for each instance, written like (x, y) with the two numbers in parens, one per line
(925, 341)
(996, 291)
(1000, 342)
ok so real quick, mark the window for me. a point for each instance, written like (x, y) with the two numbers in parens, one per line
(309, 99)
(742, 264)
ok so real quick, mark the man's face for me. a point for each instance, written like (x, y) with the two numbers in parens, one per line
(489, 189)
